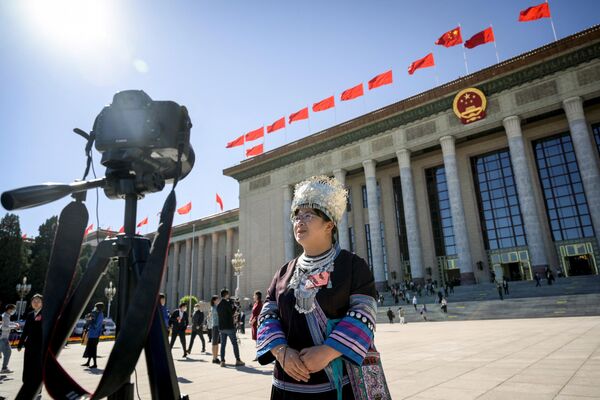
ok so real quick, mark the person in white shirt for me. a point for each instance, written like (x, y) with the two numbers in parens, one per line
(7, 325)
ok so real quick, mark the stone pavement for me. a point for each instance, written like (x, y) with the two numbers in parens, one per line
(543, 358)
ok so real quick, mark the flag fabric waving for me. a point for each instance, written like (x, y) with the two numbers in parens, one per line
(185, 209)
(450, 38)
(143, 222)
(279, 124)
(235, 143)
(254, 151)
(381, 79)
(352, 93)
(483, 37)
(424, 62)
(88, 229)
(220, 201)
(255, 134)
(24, 236)
(299, 115)
(535, 12)
(122, 230)
(324, 104)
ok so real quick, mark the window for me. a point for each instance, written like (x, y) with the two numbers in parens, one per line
(369, 251)
(499, 212)
(400, 221)
(349, 201)
(439, 207)
(566, 204)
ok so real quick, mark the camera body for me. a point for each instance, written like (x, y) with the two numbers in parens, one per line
(141, 138)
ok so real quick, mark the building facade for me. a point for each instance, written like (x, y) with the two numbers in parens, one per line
(432, 198)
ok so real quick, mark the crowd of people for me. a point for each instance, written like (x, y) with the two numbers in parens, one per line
(410, 292)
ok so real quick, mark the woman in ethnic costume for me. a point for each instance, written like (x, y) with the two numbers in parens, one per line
(318, 319)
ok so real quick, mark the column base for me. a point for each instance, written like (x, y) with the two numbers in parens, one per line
(467, 278)
(540, 269)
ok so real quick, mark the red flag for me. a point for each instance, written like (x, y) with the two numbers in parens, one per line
(185, 209)
(323, 105)
(279, 124)
(122, 230)
(299, 115)
(535, 12)
(483, 37)
(380, 80)
(255, 134)
(143, 222)
(353, 92)
(24, 236)
(450, 38)
(254, 151)
(220, 201)
(237, 142)
(424, 62)
(88, 229)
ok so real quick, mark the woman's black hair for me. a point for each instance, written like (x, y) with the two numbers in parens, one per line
(213, 299)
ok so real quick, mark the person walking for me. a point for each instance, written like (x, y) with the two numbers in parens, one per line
(179, 322)
(214, 330)
(227, 329)
(402, 315)
(164, 311)
(537, 280)
(505, 285)
(414, 302)
(424, 312)
(93, 335)
(197, 328)
(390, 315)
(31, 339)
(444, 305)
(499, 288)
(7, 326)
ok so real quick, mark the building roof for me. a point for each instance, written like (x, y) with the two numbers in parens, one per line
(557, 56)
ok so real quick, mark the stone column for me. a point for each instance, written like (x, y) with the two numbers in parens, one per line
(340, 175)
(187, 268)
(214, 263)
(524, 181)
(200, 269)
(288, 234)
(463, 248)
(585, 151)
(374, 224)
(172, 299)
(413, 235)
(228, 255)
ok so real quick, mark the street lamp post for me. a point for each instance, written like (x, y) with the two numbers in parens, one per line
(238, 264)
(22, 290)
(110, 292)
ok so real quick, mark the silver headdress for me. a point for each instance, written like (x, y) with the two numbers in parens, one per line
(322, 193)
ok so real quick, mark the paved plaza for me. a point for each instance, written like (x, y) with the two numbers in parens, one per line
(544, 358)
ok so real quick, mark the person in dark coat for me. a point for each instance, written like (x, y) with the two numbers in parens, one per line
(164, 311)
(31, 339)
(94, 332)
(226, 310)
(197, 322)
(179, 322)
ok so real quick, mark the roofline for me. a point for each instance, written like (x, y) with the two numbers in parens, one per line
(575, 49)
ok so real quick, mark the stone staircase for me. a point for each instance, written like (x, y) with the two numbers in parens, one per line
(573, 296)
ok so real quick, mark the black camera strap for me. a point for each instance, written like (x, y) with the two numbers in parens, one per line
(60, 316)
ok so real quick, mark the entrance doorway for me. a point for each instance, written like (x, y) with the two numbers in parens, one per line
(512, 271)
(579, 265)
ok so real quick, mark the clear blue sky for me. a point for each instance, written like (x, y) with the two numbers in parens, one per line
(236, 65)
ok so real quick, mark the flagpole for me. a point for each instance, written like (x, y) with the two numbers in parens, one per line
(464, 52)
(552, 23)
(495, 47)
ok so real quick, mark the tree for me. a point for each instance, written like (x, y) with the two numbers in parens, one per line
(12, 257)
(186, 300)
(40, 254)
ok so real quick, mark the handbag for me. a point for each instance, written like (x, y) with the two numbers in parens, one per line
(84, 338)
(368, 381)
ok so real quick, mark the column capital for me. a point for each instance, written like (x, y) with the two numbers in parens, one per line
(176, 245)
(401, 135)
(215, 235)
(403, 156)
(369, 166)
(200, 238)
(512, 126)
(573, 107)
(339, 173)
(447, 143)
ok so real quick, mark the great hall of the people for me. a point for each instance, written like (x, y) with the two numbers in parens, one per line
(497, 171)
